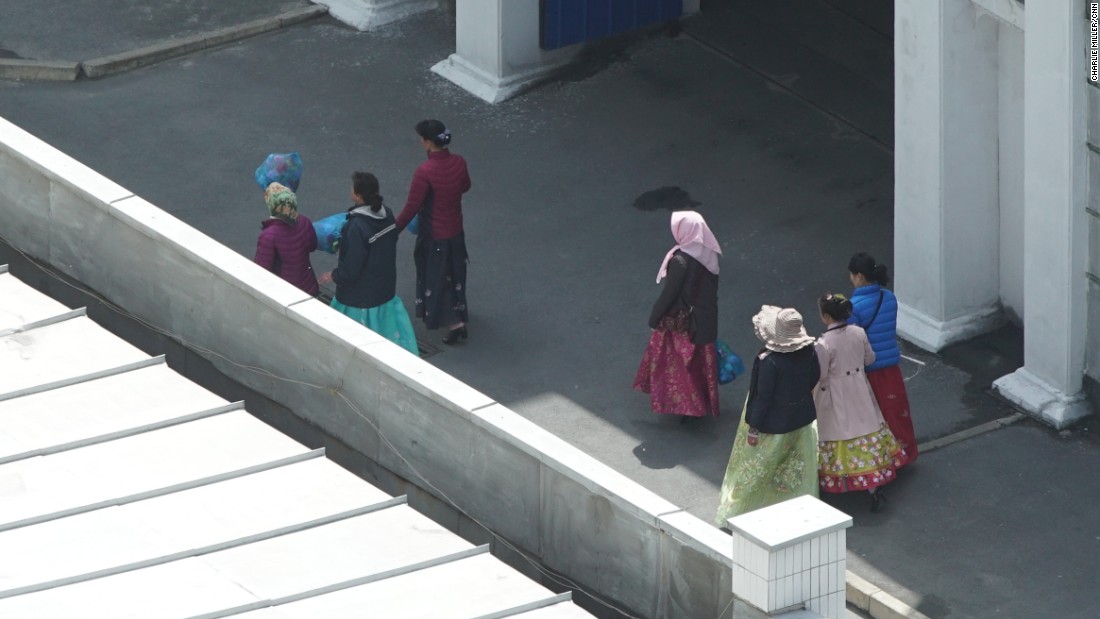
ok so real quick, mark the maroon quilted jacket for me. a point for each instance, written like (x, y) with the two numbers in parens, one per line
(284, 250)
(440, 182)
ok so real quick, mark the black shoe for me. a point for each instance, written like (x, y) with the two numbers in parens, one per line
(454, 334)
(878, 501)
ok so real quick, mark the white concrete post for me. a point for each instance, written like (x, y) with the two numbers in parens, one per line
(946, 245)
(367, 14)
(497, 51)
(790, 556)
(1056, 227)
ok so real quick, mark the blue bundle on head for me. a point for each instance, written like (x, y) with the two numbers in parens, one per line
(285, 169)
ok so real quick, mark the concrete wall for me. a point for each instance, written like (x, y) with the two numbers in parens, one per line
(440, 438)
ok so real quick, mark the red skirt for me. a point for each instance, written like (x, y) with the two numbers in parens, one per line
(680, 377)
(889, 389)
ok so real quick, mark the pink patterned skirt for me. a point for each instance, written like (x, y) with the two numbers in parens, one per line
(680, 377)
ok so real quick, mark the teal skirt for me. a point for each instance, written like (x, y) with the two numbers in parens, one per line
(390, 320)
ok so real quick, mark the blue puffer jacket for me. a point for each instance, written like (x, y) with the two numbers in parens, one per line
(882, 331)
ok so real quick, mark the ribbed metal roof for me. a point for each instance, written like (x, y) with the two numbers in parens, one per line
(128, 491)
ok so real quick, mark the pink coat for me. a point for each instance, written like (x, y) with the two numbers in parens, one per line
(846, 407)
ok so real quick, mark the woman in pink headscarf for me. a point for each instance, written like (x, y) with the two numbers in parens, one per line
(680, 368)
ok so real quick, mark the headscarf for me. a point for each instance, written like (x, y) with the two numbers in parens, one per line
(282, 203)
(695, 239)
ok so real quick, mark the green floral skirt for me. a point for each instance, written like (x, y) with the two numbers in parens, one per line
(779, 467)
(860, 463)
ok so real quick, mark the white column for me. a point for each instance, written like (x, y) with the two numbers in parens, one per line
(1056, 228)
(946, 231)
(790, 556)
(367, 14)
(497, 51)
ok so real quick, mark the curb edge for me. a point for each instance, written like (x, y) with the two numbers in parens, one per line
(870, 599)
(38, 70)
(48, 70)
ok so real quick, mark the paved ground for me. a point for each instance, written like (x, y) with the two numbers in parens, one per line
(78, 31)
(776, 117)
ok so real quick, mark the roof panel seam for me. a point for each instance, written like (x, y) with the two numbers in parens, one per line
(79, 312)
(205, 550)
(128, 432)
(554, 600)
(347, 584)
(83, 378)
(180, 487)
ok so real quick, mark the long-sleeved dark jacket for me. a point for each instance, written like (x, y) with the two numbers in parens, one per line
(439, 182)
(284, 250)
(689, 284)
(366, 275)
(781, 396)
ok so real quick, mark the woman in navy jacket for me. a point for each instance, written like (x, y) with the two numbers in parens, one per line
(875, 308)
(366, 275)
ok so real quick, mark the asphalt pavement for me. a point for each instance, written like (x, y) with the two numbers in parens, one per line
(775, 117)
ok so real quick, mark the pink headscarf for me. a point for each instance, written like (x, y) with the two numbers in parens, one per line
(695, 239)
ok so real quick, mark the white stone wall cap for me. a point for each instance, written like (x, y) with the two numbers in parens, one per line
(58, 167)
(698, 535)
(562, 457)
(422, 377)
(791, 522)
(321, 320)
(197, 248)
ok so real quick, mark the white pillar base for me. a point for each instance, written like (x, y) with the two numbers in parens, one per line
(366, 14)
(491, 88)
(1041, 400)
(934, 335)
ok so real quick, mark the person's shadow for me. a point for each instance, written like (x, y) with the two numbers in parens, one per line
(667, 442)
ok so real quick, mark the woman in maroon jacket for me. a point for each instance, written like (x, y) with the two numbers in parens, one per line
(440, 251)
(287, 240)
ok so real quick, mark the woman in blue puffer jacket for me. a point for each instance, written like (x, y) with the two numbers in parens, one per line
(875, 308)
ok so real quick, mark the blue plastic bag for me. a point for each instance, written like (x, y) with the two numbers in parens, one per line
(328, 232)
(284, 169)
(729, 363)
(414, 225)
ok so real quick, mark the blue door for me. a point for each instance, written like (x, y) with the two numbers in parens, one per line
(565, 22)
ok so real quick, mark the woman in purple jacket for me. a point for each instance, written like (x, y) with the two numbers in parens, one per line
(286, 240)
(440, 251)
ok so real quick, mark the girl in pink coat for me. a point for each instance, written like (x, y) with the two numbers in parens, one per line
(856, 450)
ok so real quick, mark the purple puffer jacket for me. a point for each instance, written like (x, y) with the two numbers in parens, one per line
(284, 250)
